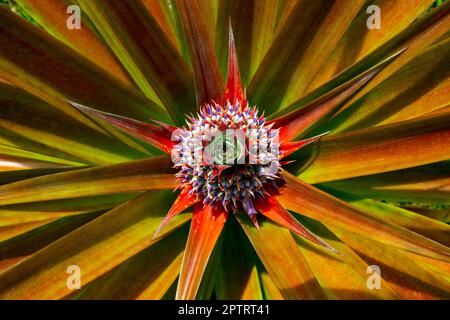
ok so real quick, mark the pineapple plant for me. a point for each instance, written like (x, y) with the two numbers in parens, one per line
(336, 186)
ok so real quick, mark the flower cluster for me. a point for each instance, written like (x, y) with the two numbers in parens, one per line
(227, 156)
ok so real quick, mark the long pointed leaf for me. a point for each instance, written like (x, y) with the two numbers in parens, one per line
(309, 201)
(151, 174)
(404, 275)
(158, 136)
(45, 65)
(273, 210)
(52, 15)
(359, 41)
(208, 80)
(386, 148)
(147, 275)
(279, 253)
(296, 122)
(206, 226)
(31, 124)
(96, 248)
(421, 185)
(237, 278)
(421, 85)
(146, 52)
(254, 24)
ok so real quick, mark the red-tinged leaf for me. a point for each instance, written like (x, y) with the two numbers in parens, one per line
(273, 210)
(12, 159)
(387, 51)
(442, 215)
(341, 278)
(159, 10)
(430, 228)
(16, 175)
(147, 275)
(359, 42)
(322, 38)
(296, 122)
(15, 230)
(283, 260)
(269, 84)
(206, 226)
(316, 204)
(35, 236)
(127, 177)
(415, 48)
(288, 148)
(405, 274)
(44, 66)
(52, 16)
(208, 79)
(97, 247)
(253, 22)
(208, 282)
(28, 123)
(421, 185)
(146, 52)
(385, 148)
(158, 136)
(417, 88)
(182, 202)
(47, 210)
(233, 90)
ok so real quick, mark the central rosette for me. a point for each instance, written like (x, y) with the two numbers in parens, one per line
(227, 156)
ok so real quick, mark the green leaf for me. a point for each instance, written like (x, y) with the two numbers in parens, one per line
(237, 277)
(318, 205)
(17, 175)
(208, 79)
(341, 277)
(415, 48)
(253, 23)
(419, 87)
(146, 52)
(27, 238)
(328, 30)
(423, 185)
(141, 175)
(386, 52)
(281, 257)
(359, 41)
(303, 119)
(40, 211)
(163, 13)
(380, 149)
(430, 228)
(96, 248)
(13, 160)
(31, 124)
(404, 275)
(52, 16)
(52, 71)
(269, 84)
(147, 275)
(270, 290)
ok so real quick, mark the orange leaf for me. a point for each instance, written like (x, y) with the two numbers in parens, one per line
(206, 226)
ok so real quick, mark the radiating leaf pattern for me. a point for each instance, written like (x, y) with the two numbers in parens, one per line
(87, 118)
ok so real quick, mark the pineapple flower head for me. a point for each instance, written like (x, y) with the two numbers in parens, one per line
(228, 157)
